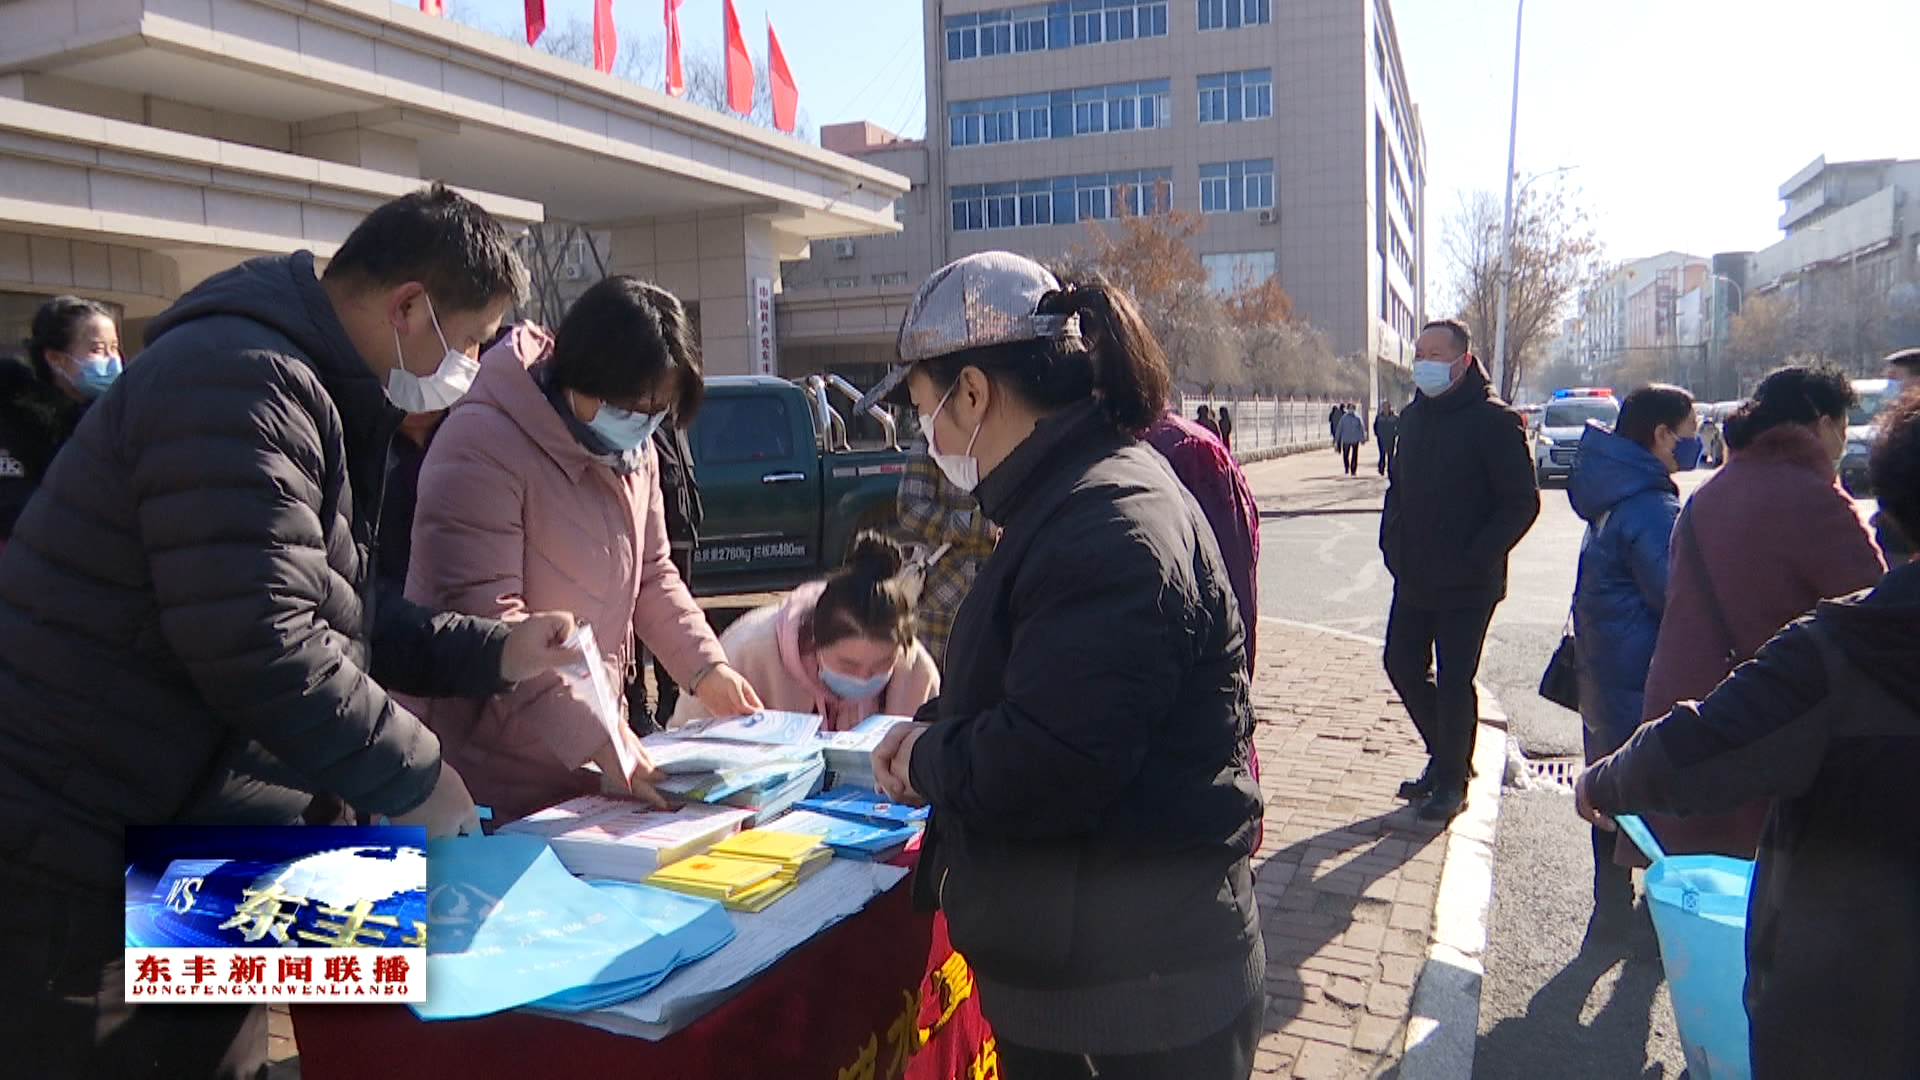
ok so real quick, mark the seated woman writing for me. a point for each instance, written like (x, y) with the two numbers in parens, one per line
(843, 648)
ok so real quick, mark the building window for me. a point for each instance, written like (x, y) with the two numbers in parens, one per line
(1061, 114)
(1061, 200)
(1231, 186)
(1233, 14)
(1234, 96)
(898, 277)
(1234, 270)
(842, 282)
(1058, 25)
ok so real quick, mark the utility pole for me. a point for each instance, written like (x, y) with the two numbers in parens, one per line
(1506, 220)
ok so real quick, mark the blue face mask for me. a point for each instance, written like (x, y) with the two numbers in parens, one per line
(1686, 452)
(1433, 377)
(848, 688)
(95, 375)
(625, 430)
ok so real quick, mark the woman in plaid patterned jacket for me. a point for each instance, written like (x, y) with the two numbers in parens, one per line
(934, 513)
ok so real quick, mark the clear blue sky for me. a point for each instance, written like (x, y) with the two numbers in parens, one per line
(1683, 116)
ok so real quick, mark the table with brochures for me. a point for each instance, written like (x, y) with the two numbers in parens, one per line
(825, 969)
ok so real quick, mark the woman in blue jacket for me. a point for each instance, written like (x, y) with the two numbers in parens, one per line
(1622, 485)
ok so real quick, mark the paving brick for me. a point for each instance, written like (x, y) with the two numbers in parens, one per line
(1346, 877)
(1375, 1034)
(1320, 1061)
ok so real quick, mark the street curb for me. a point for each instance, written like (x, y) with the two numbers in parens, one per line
(1443, 1026)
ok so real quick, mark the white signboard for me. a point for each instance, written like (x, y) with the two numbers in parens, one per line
(760, 321)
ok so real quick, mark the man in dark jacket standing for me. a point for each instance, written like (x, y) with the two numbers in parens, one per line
(1825, 721)
(1458, 501)
(190, 627)
(1386, 434)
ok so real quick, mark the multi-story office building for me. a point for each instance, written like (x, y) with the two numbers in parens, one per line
(1288, 127)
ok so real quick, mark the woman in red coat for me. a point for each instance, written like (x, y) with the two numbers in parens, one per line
(1774, 535)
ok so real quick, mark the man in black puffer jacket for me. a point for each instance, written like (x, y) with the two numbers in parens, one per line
(189, 631)
(1460, 495)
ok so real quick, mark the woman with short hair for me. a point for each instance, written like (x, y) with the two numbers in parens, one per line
(541, 492)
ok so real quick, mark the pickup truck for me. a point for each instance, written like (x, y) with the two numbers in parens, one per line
(783, 488)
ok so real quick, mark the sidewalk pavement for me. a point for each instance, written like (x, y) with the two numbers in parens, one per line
(1374, 920)
(1311, 482)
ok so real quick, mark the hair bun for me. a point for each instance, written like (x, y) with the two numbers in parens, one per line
(874, 557)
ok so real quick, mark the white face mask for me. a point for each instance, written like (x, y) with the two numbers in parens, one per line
(448, 384)
(963, 469)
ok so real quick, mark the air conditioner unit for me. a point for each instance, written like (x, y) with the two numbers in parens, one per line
(573, 271)
(843, 248)
(1268, 217)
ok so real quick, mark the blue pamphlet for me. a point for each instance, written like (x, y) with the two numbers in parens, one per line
(507, 925)
(861, 804)
(698, 928)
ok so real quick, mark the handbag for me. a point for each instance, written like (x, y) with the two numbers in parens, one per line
(1560, 683)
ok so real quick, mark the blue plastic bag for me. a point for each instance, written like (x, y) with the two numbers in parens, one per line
(1699, 905)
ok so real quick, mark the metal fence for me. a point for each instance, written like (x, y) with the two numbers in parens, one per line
(1269, 425)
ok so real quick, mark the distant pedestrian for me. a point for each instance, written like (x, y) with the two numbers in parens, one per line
(1762, 541)
(1824, 726)
(1350, 434)
(1333, 425)
(1225, 423)
(1204, 417)
(1386, 434)
(1457, 503)
(1622, 486)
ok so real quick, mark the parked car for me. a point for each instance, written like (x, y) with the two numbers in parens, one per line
(1562, 422)
(1875, 395)
(784, 492)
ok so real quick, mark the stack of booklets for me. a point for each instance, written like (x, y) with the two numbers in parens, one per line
(611, 836)
(747, 871)
(763, 763)
(849, 754)
(847, 838)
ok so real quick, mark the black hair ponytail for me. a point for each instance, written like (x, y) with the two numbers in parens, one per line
(1121, 357)
(865, 598)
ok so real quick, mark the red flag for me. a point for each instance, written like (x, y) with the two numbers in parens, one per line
(605, 42)
(536, 20)
(739, 65)
(676, 75)
(786, 96)
(433, 7)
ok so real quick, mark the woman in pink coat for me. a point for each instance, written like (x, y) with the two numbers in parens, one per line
(541, 493)
(843, 648)
(1775, 535)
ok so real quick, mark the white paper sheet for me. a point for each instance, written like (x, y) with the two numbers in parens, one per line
(587, 677)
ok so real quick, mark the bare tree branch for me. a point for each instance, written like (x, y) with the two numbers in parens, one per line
(1555, 255)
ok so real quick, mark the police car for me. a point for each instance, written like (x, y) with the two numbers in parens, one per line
(1563, 421)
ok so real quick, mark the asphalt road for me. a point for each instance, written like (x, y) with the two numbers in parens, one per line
(1545, 1011)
